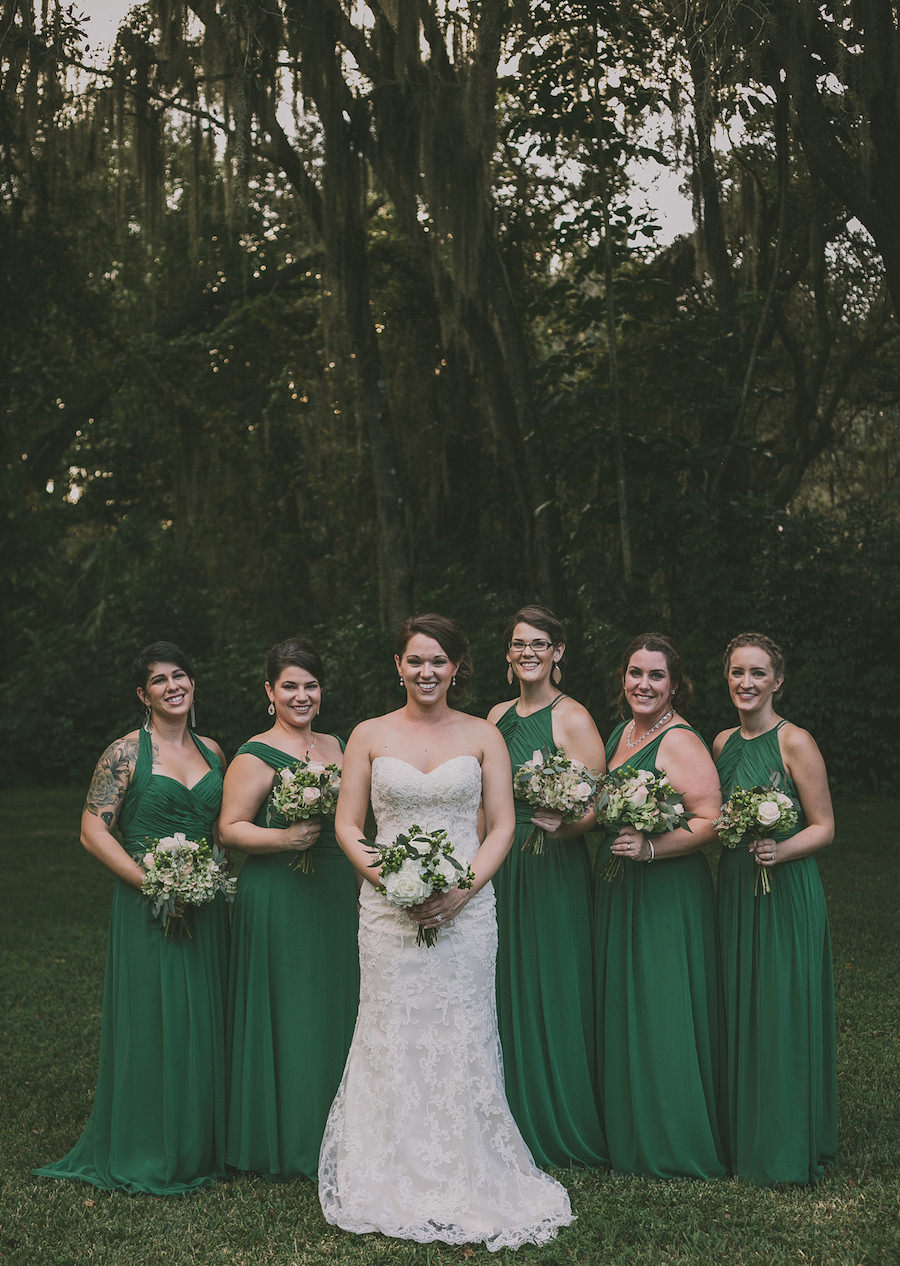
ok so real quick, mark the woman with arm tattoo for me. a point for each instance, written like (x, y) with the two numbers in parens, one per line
(157, 1124)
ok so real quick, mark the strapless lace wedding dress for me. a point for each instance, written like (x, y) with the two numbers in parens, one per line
(420, 1142)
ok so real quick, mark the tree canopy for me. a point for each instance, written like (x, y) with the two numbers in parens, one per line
(319, 312)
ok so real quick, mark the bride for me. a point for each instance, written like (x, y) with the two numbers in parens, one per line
(420, 1143)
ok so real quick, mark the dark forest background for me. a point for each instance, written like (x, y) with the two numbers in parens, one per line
(317, 313)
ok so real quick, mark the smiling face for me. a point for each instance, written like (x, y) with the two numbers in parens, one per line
(752, 680)
(531, 653)
(169, 690)
(426, 668)
(648, 686)
(297, 696)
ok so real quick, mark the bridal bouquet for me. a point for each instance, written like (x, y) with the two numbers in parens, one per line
(751, 814)
(554, 782)
(638, 798)
(306, 789)
(417, 864)
(183, 872)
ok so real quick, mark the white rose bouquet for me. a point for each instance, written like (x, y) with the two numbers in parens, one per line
(183, 872)
(417, 864)
(306, 789)
(751, 814)
(641, 799)
(554, 782)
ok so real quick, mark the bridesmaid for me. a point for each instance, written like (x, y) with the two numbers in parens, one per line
(294, 966)
(658, 1001)
(781, 1088)
(544, 962)
(158, 1122)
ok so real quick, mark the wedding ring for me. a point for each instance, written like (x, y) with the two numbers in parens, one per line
(440, 918)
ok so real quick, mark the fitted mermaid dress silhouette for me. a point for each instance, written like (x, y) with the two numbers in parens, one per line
(420, 1142)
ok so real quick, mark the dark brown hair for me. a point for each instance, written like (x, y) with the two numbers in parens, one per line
(682, 686)
(294, 652)
(449, 636)
(158, 653)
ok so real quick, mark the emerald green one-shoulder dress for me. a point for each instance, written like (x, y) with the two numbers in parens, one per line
(781, 1084)
(158, 1121)
(658, 1009)
(293, 997)
(545, 978)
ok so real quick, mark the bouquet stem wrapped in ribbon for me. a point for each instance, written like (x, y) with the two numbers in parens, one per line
(556, 782)
(306, 789)
(182, 872)
(751, 814)
(417, 864)
(640, 799)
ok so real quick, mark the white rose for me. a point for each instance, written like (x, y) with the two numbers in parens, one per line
(581, 791)
(406, 887)
(783, 799)
(645, 775)
(169, 844)
(315, 768)
(148, 860)
(537, 758)
(287, 775)
(768, 812)
(447, 871)
(678, 808)
(336, 781)
(310, 795)
(637, 796)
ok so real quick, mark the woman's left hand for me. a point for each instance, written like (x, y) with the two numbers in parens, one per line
(549, 820)
(632, 845)
(440, 909)
(766, 852)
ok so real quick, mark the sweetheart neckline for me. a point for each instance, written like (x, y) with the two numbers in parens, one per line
(426, 773)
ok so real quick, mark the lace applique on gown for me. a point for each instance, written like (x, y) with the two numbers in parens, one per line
(420, 1143)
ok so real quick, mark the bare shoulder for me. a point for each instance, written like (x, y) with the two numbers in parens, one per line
(682, 738)
(721, 739)
(112, 776)
(213, 746)
(797, 745)
(500, 709)
(574, 716)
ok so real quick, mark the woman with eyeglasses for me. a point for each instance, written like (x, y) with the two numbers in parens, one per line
(544, 962)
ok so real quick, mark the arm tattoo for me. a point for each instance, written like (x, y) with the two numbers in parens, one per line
(110, 781)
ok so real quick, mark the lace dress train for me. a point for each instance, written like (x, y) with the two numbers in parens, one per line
(420, 1142)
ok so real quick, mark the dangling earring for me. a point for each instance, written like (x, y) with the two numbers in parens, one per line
(193, 717)
(271, 709)
(453, 680)
(402, 682)
(556, 674)
(509, 674)
(146, 725)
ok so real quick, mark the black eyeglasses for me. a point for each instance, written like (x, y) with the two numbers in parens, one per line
(538, 644)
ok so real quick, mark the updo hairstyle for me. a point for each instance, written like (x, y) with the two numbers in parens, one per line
(682, 686)
(158, 653)
(451, 639)
(294, 652)
(762, 643)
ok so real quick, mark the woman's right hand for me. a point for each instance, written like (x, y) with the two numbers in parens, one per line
(299, 836)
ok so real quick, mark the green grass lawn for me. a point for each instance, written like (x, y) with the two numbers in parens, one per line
(56, 905)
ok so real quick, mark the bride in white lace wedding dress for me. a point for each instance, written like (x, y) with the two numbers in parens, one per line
(420, 1142)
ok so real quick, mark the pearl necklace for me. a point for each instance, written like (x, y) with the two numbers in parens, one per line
(666, 716)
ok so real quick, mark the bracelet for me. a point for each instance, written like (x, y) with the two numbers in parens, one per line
(652, 857)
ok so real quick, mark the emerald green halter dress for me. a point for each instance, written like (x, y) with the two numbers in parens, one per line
(158, 1122)
(781, 1085)
(658, 1009)
(545, 978)
(293, 997)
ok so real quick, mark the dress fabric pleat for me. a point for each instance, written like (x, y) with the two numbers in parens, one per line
(780, 1119)
(158, 1120)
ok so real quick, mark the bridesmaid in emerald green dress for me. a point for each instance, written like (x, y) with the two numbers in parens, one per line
(781, 1088)
(294, 964)
(545, 975)
(158, 1121)
(658, 989)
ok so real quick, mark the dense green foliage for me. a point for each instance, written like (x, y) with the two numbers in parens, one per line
(309, 323)
(54, 944)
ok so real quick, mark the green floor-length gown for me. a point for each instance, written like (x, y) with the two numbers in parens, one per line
(780, 1079)
(545, 978)
(658, 1009)
(158, 1121)
(293, 998)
